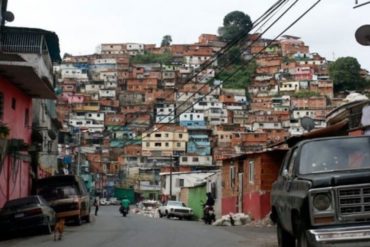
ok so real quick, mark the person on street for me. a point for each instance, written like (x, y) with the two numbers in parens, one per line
(125, 203)
(210, 201)
(96, 204)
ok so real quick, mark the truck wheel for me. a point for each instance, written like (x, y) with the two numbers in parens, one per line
(88, 218)
(302, 238)
(284, 238)
(78, 220)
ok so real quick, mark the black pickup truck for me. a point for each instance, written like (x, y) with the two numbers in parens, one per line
(322, 194)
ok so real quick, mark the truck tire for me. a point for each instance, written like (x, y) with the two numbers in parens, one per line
(302, 237)
(284, 237)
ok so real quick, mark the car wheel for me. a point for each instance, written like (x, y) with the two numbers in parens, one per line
(284, 238)
(168, 215)
(88, 219)
(78, 220)
(160, 214)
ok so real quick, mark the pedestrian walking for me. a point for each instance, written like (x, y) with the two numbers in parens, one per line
(96, 204)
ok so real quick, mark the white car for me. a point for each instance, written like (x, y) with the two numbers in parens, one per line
(175, 209)
(104, 202)
(114, 201)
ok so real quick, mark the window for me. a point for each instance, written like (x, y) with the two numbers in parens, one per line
(184, 159)
(167, 145)
(148, 144)
(157, 135)
(178, 144)
(158, 144)
(251, 172)
(166, 135)
(195, 159)
(180, 135)
(232, 176)
(180, 182)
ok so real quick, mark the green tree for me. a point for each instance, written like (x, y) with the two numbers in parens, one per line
(240, 79)
(235, 23)
(147, 57)
(166, 40)
(345, 73)
(232, 56)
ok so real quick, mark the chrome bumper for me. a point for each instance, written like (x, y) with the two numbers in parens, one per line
(340, 234)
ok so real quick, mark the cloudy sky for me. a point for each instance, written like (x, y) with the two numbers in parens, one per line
(84, 24)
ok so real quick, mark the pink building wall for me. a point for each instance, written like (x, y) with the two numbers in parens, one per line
(15, 174)
(255, 204)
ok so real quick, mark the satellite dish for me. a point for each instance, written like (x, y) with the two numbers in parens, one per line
(363, 35)
(307, 123)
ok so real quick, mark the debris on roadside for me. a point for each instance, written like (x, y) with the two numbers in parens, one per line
(265, 222)
(233, 220)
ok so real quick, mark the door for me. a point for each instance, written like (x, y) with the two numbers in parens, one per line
(240, 193)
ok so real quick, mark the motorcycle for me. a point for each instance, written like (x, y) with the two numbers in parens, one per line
(208, 215)
(123, 211)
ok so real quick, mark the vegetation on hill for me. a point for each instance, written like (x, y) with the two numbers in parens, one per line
(306, 94)
(235, 23)
(242, 77)
(346, 74)
(166, 41)
(147, 57)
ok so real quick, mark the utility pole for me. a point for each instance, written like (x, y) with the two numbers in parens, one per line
(79, 153)
(171, 177)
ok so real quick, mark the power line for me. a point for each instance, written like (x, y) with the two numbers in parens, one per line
(228, 46)
(286, 29)
(241, 36)
(256, 40)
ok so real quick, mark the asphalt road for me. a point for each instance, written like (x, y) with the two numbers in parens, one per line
(109, 228)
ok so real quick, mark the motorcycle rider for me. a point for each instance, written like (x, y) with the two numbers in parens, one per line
(125, 204)
(207, 207)
(210, 201)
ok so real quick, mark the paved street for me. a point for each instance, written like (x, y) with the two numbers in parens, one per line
(111, 229)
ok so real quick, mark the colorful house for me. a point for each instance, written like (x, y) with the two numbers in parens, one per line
(26, 74)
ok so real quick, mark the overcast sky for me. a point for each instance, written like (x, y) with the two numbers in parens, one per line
(84, 24)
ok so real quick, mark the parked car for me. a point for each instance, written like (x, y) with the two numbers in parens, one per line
(67, 195)
(322, 194)
(104, 201)
(114, 201)
(175, 209)
(26, 213)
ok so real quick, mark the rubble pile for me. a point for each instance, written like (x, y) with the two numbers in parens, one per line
(233, 220)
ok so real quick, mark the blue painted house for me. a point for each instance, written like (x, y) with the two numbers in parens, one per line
(199, 136)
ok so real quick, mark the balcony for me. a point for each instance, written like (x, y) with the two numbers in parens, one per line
(26, 56)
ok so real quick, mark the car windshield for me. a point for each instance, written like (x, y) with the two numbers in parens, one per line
(22, 202)
(335, 155)
(59, 192)
(175, 203)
